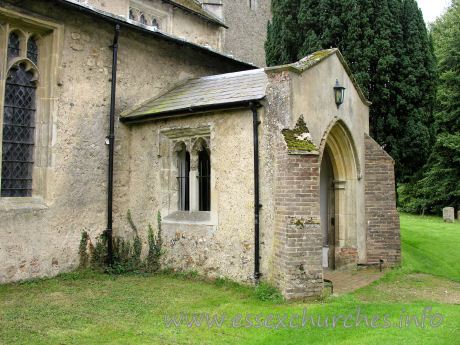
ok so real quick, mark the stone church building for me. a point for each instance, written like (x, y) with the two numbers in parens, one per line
(259, 173)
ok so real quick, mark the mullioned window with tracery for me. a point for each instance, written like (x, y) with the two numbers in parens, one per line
(18, 129)
(30, 53)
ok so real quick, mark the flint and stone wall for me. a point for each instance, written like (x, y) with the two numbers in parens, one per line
(171, 20)
(39, 236)
(219, 243)
(247, 30)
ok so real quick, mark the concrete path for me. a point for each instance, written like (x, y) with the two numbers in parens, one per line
(346, 281)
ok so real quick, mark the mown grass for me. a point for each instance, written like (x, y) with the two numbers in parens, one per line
(430, 246)
(89, 308)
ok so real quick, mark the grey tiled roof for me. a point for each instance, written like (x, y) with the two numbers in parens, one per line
(195, 7)
(222, 89)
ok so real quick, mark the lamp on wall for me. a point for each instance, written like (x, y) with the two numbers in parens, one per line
(339, 93)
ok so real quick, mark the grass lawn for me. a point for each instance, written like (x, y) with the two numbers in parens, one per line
(129, 309)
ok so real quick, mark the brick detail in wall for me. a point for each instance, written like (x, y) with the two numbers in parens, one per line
(382, 219)
(346, 257)
(298, 237)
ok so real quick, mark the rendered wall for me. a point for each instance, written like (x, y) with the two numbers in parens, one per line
(296, 243)
(40, 237)
(172, 20)
(247, 30)
(218, 243)
(312, 96)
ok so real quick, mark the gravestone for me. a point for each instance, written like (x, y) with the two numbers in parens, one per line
(448, 214)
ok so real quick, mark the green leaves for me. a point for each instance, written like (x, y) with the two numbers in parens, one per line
(440, 186)
(387, 48)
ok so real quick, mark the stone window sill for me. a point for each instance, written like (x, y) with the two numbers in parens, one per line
(21, 205)
(190, 217)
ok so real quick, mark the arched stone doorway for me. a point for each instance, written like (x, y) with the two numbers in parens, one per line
(339, 173)
(327, 209)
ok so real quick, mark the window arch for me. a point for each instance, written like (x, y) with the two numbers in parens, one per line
(28, 99)
(18, 131)
(131, 14)
(183, 177)
(204, 180)
(155, 23)
(14, 49)
(32, 50)
(142, 19)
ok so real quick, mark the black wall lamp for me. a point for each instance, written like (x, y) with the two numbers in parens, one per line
(339, 93)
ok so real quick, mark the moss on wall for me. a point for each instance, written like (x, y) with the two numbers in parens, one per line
(299, 137)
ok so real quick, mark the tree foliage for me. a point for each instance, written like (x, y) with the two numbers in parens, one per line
(388, 49)
(440, 183)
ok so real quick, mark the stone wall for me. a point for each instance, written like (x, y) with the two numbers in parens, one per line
(244, 38)
(247, 30)
(383, 232)
(171, 19)
(218, 243)
(196, 30)
(39, 236)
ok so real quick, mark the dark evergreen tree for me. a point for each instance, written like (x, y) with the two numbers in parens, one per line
(440, 186)
(282, 33)
(309, 29)
(386, 45)
(416, 88)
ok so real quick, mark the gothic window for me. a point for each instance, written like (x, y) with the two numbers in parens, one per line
(185, 171)
(32, 50)
(148, 15)
(19, 121)
(13, 46)
(252, 4)
(204, 176)
(183, 179)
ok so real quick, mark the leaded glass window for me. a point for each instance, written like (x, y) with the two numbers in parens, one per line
(18, 133)
(204, 179)
(155, 23)
(13, 46)
(183, 179)
(32, 50)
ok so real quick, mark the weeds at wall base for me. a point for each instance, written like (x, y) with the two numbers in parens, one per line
(126, 254)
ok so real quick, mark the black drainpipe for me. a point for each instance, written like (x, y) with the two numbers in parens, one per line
(111, 138)
(257, 205)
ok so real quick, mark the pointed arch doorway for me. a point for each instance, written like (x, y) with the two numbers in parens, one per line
(327, 205)
(339, 173)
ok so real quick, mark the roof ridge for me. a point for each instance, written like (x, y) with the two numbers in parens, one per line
(204, 13)
(229, 75)
(315, 58)
(208, 11)
(203, 93)
(162, 92)
(122, 20)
